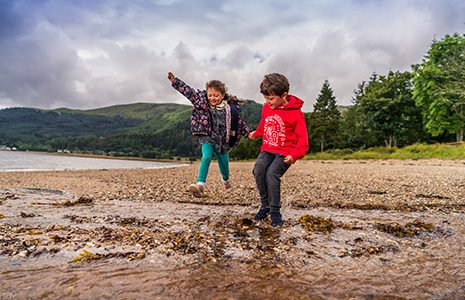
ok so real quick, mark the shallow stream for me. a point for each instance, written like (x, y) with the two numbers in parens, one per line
(53, 245)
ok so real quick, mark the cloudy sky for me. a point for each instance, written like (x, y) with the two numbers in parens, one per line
(94, 53)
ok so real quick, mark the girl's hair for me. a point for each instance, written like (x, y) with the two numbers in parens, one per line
(233, 99)
(221, 87)
(217, 85)
(274, 84)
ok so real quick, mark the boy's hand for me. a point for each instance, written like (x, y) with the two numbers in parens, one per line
(171, 76)
(250, 136)
(289, 160)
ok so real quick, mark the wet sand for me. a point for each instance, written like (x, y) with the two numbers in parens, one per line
(354, 230)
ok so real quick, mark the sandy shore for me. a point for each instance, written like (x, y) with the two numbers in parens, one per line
(389, 185)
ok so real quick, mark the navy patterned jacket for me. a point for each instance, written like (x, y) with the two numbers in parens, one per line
(201, 119)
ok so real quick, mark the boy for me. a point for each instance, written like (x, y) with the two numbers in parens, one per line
(285, 140)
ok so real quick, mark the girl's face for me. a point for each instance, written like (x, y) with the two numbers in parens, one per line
(214, 96)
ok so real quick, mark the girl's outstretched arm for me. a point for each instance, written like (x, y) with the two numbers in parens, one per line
(171, 77)
(182, 87)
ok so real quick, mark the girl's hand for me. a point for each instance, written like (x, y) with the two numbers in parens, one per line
(289, 160)
(250, 136)
(171, 77)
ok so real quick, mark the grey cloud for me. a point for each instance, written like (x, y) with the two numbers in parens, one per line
(182, 53)
(85, 54)
(11, 24)
(38, 73)
(239, 57)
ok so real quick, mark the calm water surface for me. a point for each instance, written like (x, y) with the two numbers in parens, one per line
(22, 161)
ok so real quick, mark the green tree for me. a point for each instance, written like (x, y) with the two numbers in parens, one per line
(354, 133)
(439, 86)
(326, 118)
(388, 111)
(246, 149)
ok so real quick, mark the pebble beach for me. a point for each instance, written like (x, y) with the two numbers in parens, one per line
(389, 184)
(353, 229)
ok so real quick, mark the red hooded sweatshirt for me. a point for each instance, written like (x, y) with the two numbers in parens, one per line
(284, 129)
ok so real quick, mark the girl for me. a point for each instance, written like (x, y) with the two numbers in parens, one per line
(218, 122)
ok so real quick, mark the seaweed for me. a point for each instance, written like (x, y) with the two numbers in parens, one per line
(86, 256)
(56, 238)
(26, 215)
(317, 224)
(126, 221)
(77, 219)
(81, 201)
(368, 250)
(185, 243)
(410, 229)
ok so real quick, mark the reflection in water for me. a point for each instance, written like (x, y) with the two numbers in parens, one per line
(198, 252)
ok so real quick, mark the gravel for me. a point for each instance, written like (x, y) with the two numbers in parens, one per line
(400, 185)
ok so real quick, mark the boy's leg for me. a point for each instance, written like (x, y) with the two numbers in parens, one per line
(207, 155)
(275, 171)
(262, 163)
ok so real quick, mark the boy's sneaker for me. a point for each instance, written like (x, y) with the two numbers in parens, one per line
(276, 219)
(197, 190)
(262, 213)
(227, 185)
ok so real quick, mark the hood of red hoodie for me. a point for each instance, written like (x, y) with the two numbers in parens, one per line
(294, 102)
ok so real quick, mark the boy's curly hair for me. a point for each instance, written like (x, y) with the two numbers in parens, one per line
(274, 84)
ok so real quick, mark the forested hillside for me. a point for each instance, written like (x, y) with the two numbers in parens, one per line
(140, 129)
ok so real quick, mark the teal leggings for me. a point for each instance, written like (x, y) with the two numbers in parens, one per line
(207, 155)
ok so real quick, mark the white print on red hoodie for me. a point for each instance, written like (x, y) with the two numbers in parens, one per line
(284, 129)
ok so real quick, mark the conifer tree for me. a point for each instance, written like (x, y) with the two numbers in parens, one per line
(326, 118)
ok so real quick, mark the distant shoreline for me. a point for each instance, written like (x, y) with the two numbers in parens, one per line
(109, 157)
(32, 161)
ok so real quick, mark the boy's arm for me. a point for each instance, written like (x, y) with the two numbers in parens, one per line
(301, 147)
(182, 87)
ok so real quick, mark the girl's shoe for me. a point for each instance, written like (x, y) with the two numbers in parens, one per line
(276, 219)
(227, 185)
(262, 213)
(197, 190)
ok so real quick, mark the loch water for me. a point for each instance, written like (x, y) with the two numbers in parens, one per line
(33, 161)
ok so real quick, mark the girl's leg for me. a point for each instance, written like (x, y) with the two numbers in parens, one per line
(207, 154)
(223, 163)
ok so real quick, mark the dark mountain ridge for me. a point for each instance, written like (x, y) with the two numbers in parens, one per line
(137, 129)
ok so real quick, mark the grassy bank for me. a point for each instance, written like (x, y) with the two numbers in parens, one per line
(415, 151)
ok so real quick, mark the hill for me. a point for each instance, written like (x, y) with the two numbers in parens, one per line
(138, 129)
(142, 111)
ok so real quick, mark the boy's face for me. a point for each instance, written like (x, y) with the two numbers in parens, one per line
(214, 96)
(276, 101)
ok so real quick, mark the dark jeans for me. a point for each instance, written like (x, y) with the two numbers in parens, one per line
(268, 170)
